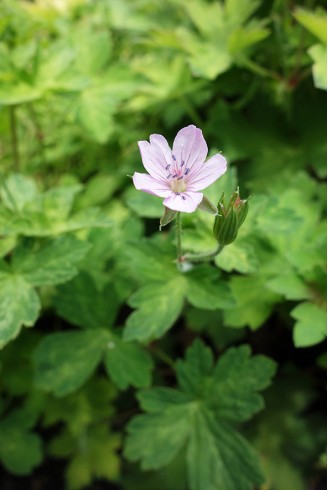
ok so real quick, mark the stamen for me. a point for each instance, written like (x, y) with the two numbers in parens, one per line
(168, 176)
(174, 157)
(167, 166)
(182, 197)
(179, 178)
(187, 171)
(182, 163)
(175, 175)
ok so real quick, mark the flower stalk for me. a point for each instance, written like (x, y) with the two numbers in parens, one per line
(202, 257)
(14, 137)
(178, 236)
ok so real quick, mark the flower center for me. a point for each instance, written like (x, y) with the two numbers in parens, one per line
(178, 185)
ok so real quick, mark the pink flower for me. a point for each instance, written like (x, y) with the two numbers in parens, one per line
(178, 175)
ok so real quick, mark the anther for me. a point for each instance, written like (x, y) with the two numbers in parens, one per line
(173, 157)
(187, 171)
(170, 175)
(179, 178)
(182, 197)
(182, 163)
(175, 175)
(167, 166)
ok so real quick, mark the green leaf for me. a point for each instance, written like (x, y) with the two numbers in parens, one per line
(205, 289)
(145, 205)
(16, 367)
(206, 58)
(310, 328)
(53, 66)
(152, 259)
(277, 219)
(207, 20)
(26, 212)
(128, 364)
(243, 38)
(7, 244)
(53, 262)
(93, 49)
(18, 94)
(159, 304)
(157, 437)
(81, 303)
(197, 366)
(85, 416)
(20, 449)
(96, 108)
(16, 191)
(97, 459)
(200, 416)
(221, 35)
(238, 395)
(56, 203)
(210, 323)
(168, 82)
(98, 190)
(240, 256)
(19, 305)
(237, 12)
(290, 285)
(254, 302)
(218, 457)
(314, 22)
(65, 360)
(158, 307)
(318, 54)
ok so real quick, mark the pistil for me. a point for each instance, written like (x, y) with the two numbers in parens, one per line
(178, 185)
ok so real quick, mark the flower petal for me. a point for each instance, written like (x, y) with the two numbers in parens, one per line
(204, 175)
(153, 160)
(186, 202)
(147, 183)
(189, 147)
(159, 142)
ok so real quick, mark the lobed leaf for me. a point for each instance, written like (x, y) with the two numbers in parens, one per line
(52, 262)
(158, 307)
(128, 364)
(19, 305)
(65, 360)
(200, 418)
(311, 324)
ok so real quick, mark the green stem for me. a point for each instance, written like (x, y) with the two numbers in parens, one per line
(14, 138)
(163, 356)
(260, 70)
(178, 232)
(38, 131)
(203, 257)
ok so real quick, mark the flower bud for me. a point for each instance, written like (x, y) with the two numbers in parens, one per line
(230, 218)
